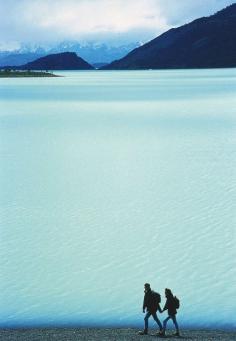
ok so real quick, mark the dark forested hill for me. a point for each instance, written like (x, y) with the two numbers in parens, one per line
(58, 61)
(207, 42)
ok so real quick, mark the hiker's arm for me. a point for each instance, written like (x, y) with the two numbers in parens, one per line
(165, 307)
(159, 308)
(144, 304)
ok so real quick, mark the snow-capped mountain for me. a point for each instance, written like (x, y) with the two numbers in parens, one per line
(92, 52)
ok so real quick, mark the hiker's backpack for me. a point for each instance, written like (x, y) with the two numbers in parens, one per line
(156, 298)
(177, 302)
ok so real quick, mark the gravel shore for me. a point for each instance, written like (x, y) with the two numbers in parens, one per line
(109, 334)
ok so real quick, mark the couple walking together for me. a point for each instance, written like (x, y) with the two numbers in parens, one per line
(151, 304)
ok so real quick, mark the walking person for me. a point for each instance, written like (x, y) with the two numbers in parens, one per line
(151, 303)
(172, 304)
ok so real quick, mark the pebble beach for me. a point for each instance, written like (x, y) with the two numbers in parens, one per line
(109, 334)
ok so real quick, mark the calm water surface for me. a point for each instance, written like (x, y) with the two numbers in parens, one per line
(113, 179)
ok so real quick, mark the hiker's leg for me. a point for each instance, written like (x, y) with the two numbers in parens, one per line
(175, 323)
(157, 320)
(148, 314)
(165, 323)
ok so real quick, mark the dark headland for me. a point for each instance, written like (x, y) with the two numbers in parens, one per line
(8, 73)
(108, 334)
(208, 42)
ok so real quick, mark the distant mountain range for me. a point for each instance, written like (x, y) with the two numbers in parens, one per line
(17, 58)
(208, 42)
(93, 53)
(58, 61)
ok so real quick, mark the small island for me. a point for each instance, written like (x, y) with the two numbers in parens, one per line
(57, 61)
(8, 73)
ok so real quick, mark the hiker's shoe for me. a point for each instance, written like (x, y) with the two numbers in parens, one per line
(143, 332)
(162, 333)
(176, 334)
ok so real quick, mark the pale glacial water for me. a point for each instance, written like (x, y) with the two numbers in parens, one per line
(113, 179)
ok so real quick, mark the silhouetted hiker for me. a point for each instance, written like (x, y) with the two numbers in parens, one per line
(172, 303)
(151, 303)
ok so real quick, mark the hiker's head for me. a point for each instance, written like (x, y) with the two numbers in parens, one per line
(147, 287)
(168, 292)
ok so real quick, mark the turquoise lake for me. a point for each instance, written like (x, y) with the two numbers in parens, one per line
(110, 179)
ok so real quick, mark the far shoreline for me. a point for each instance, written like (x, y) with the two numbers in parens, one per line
(42, 74)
